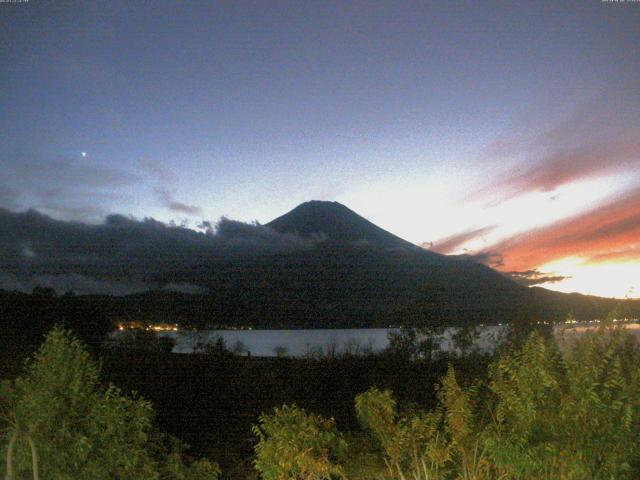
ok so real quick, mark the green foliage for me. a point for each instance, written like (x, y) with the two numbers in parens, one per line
(462, 429)
(80, 429)
(176, 467)
(295, 445)
(377, 413)
(543, 413)
(527, 386)
(570, 416)
(411, 444)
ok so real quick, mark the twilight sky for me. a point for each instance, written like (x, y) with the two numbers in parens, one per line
(505, 130)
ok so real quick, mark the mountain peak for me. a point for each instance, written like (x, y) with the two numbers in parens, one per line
(321, 204)
(336, 222)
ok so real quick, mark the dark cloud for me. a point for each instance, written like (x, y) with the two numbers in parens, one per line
(66, 173)
(184, 287)
(602, 137)
(163, 190)
(530, 278)
(65, 282)
(61, 186)
(168, 201)
(254, 235)
(451, 244)
(566, 166)
(123, 254)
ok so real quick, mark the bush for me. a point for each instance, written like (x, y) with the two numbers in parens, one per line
(543, 413)
(410, 444)
(415, 343)
(217, 348)
(576, 415)
(79, 429)
(296, 445)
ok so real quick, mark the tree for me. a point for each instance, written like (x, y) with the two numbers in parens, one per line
(295, 445)
(77, 428)
(465, 339)
(217, 348)
(239, 348)
(568, 414)
(144, 340)
(415, 343)
(166, 344)
(280, 351)
(545, 412)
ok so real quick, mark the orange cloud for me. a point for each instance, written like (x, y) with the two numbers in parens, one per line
(569, 165)
(612, 230)
(451, 244)
(601, 137)
(625, 255)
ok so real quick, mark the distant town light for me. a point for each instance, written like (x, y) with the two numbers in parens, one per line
(155, 327)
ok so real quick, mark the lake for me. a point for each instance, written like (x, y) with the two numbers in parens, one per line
(322, 342)
(303, 342)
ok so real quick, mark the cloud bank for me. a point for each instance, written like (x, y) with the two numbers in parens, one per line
(65, 187)
(81, 188)
(123, 255)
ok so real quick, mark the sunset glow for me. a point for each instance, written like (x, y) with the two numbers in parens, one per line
(584, 231)
(621, 277)
(465, 131)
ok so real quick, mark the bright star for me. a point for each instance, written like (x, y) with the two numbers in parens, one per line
(84, 154)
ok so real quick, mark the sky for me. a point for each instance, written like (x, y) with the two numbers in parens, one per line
(505, 131)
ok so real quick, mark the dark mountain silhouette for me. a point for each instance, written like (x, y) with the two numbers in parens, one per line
(335, 222)
(348, 273)
(355, 274)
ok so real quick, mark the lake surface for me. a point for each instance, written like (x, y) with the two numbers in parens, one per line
(303, 342)
(319, 342)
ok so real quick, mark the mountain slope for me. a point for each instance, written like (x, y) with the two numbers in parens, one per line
(334, 221)
(358, 274)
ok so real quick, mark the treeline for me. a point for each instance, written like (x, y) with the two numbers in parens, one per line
(327, 296)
